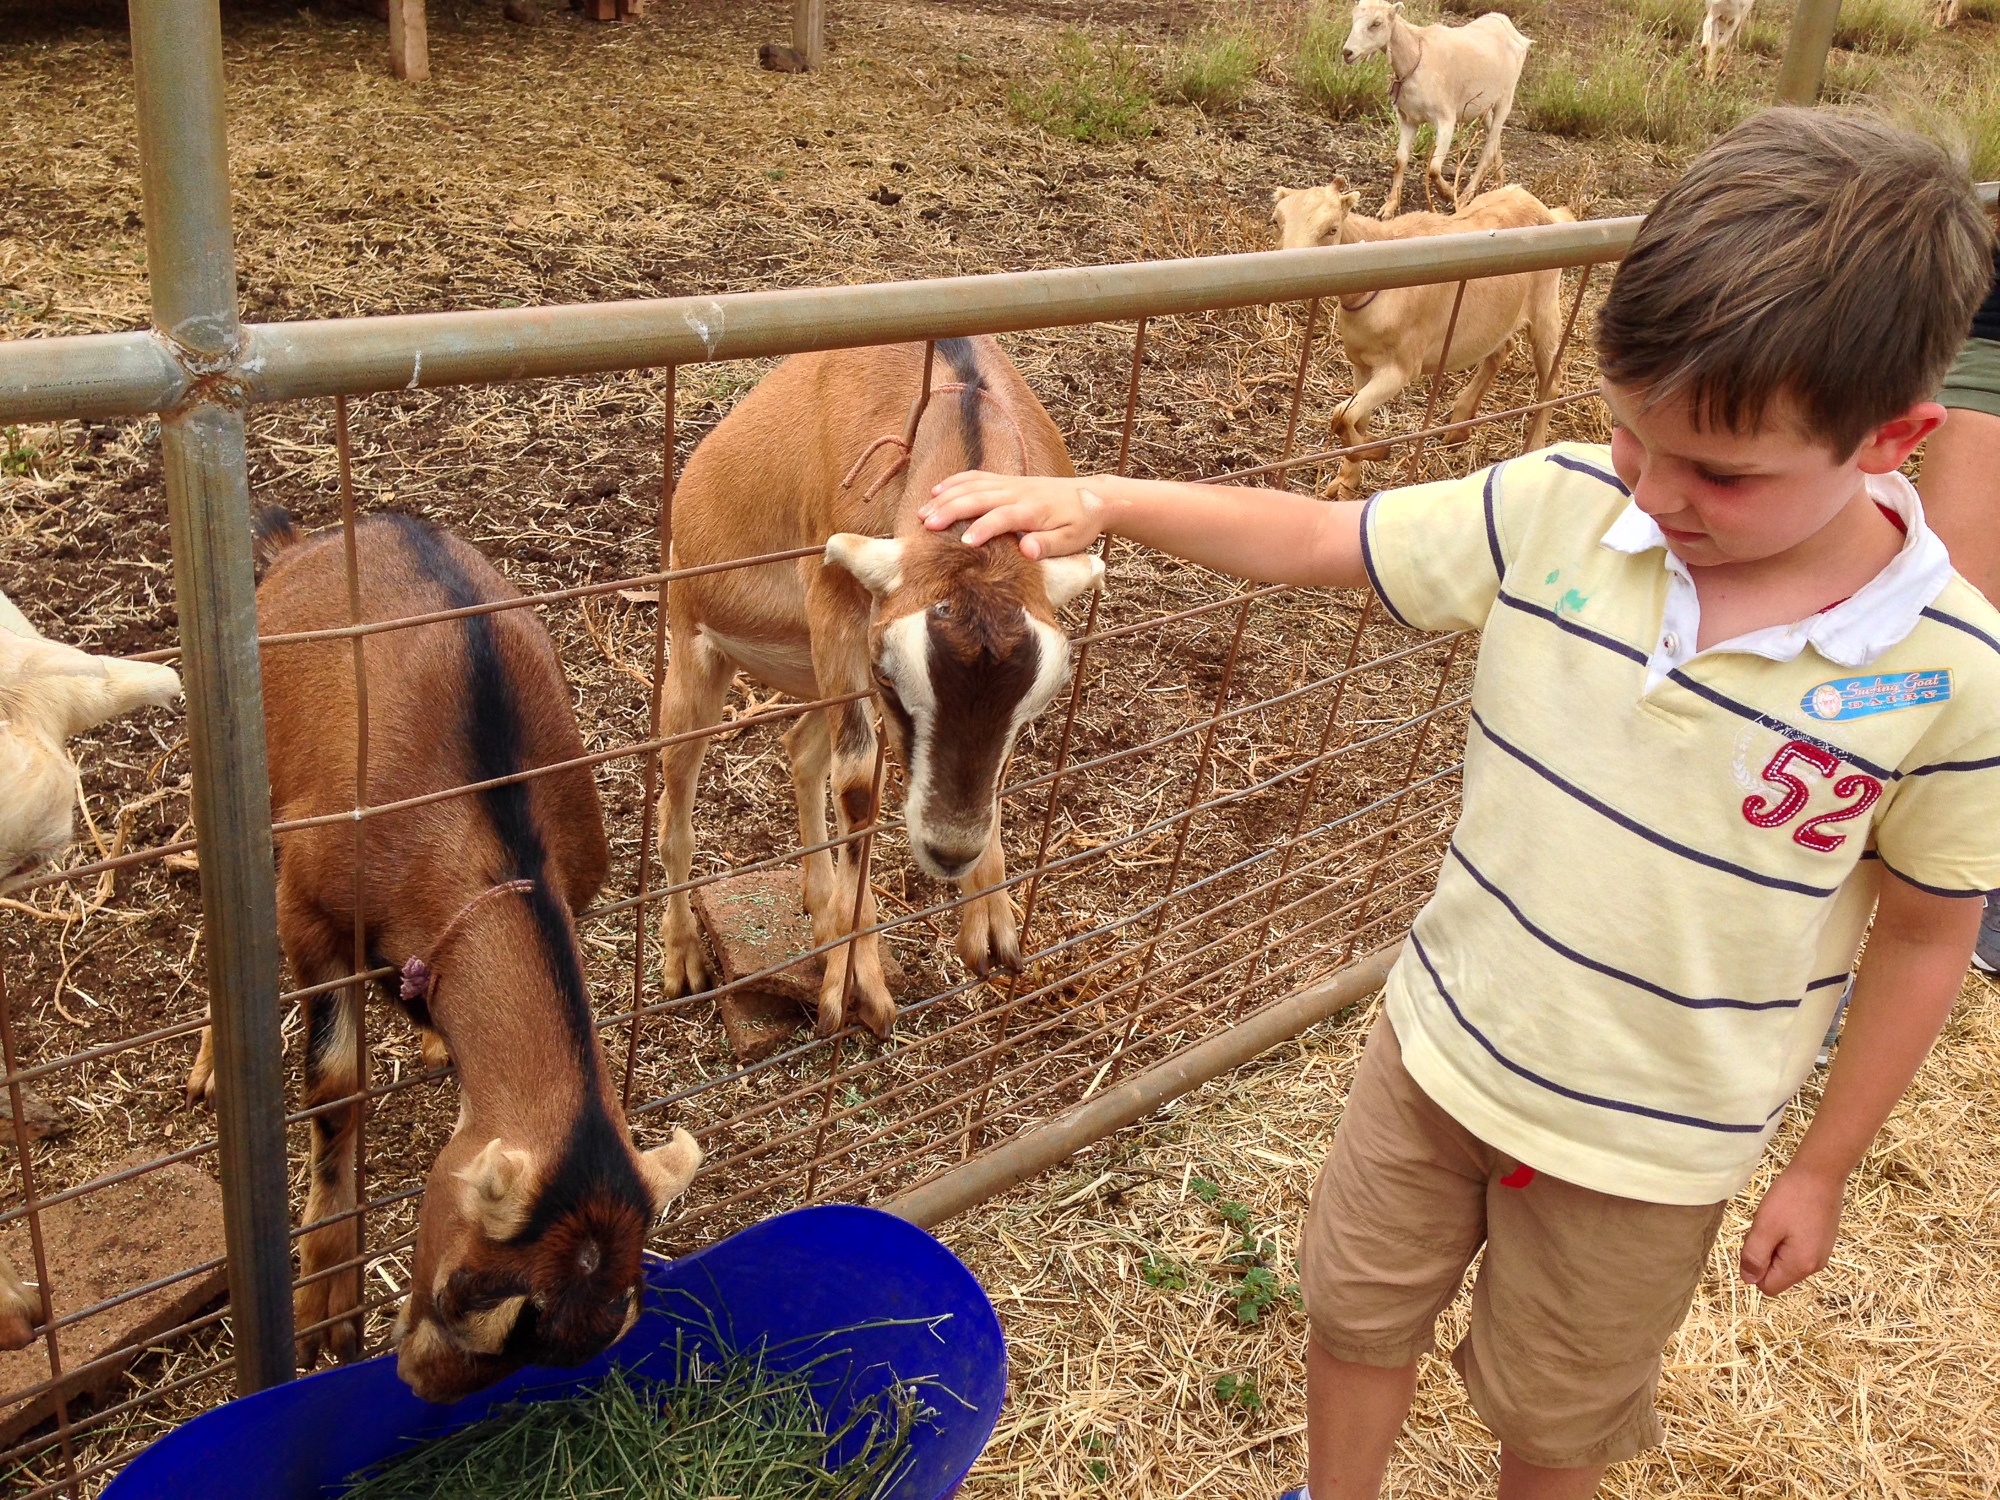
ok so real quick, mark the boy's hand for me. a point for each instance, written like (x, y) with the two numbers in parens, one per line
(1792, 1235)
(1054, 516)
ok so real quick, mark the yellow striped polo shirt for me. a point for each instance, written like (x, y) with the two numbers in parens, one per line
(1665, 859)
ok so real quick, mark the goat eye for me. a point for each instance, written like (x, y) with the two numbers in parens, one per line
(942, 609)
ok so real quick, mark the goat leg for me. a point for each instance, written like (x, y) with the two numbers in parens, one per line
(989, 936)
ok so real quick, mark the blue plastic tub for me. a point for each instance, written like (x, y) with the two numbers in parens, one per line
(800, 1274)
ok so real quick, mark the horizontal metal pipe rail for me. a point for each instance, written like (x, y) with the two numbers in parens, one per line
(124, 374)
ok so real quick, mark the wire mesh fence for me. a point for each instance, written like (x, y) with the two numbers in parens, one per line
(1240, 789)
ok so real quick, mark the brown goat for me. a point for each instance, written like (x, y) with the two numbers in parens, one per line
(958, 643)
(535, 1212)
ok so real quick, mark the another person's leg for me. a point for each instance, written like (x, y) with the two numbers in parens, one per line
(1960, 485)
(1396, 1218)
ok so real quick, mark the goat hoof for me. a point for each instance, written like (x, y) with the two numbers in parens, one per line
(436, 1053)
(200, 1089)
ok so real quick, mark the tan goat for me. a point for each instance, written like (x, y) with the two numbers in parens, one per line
(1392, 336)
(536, 1209)
(959, 644)
(1445, 75)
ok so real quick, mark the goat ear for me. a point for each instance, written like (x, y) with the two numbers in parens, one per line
(1351, 200)
(1280, 194)
(876, 562)
(668, 1169)
(113, 688)
(1338, 184)
(1066, 577)
(486, 1332)
(497, 1190)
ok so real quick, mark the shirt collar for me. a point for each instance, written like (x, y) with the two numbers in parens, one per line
(1862, 626)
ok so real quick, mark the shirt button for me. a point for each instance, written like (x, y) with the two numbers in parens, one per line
(1670, 643)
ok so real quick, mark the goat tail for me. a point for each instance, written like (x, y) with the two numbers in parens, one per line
(272, 530)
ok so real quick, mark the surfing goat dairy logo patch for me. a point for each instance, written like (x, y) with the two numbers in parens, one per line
(1858, 697)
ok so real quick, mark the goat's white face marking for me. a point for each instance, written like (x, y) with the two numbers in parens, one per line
(953, 778)
(1370, 29)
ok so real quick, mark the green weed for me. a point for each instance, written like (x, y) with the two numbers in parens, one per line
(1633, 92)
(1327, 81)
(1881, 25)
(1850, 76)
(1212, 71)
(19, 455)
(1094, 93)
(1165, 1274)
(1239, 1391)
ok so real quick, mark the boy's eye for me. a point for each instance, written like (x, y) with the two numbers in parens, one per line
(1720, 481)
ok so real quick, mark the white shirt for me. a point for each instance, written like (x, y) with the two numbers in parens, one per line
(1851, 633)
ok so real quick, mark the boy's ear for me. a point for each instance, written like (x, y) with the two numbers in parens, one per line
(1887, 447)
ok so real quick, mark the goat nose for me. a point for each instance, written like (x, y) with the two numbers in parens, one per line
(952, 863)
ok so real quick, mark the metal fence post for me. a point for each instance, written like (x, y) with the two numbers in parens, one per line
(1804, 68)
(177, 77)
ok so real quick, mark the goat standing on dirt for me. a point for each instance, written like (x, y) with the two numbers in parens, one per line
(1444, 75)
(1392, 336)
(1719, 27)
(534, 1214)
(959, 643)
(48, 692)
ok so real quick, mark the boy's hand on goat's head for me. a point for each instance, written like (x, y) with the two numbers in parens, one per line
(1054, 516)
(1792, 1235)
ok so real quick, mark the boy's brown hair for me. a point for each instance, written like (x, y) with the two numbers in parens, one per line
(1830, 261)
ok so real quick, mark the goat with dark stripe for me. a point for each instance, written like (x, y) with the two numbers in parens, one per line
(959, 643)
(535, 1212)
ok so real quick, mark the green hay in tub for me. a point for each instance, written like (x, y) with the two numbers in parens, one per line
(733, 1427)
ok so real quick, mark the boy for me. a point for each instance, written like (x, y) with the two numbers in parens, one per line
(1730, 699)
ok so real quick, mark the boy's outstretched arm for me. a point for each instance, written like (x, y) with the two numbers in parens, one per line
(1266, 535)
(1910, 975)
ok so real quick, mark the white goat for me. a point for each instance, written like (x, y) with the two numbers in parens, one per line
(1392, 336)
(1443, 74)
(1719, 27)
(48, 692)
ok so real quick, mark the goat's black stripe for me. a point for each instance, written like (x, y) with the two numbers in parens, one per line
(964, 361)
(494, 737)
(595, 1163)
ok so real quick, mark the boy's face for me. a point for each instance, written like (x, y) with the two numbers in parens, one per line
(1725, 497)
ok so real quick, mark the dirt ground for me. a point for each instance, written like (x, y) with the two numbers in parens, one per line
(574, 161)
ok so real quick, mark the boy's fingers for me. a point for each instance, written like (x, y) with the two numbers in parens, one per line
(999, 521)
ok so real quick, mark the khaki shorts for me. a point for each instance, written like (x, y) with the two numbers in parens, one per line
(1577, 1295)
(1974, 381)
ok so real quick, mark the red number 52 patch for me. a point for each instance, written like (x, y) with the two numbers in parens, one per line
(1775, 812)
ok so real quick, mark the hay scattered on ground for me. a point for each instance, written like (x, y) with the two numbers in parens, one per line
(1875, 1378)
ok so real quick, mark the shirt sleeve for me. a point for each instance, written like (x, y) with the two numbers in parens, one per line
(1433, 551)
(1940, 832)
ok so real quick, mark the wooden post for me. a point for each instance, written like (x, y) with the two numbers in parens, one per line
(409, 41)
(1804, 67)
(809, 31)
